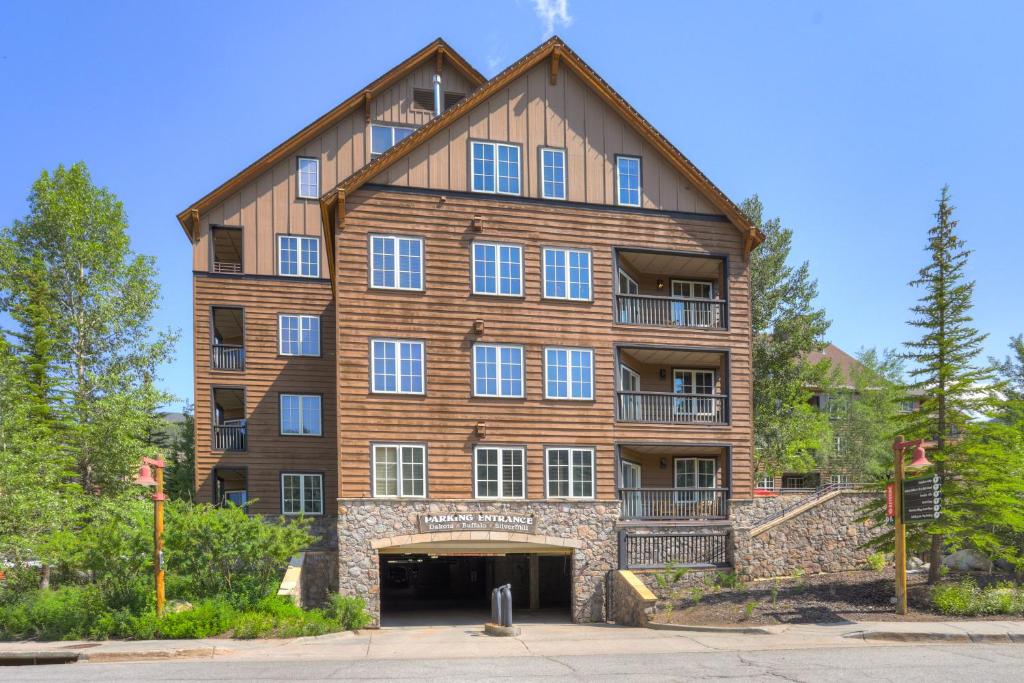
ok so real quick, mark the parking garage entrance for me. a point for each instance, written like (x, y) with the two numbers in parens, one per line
(444, 586)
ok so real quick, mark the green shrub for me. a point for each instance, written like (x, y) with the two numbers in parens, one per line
(748, 609)
(349, 611)
(876, 561)
(66, 613)
(206, 619)
(965, 598)
(727, 580)
(254, 625)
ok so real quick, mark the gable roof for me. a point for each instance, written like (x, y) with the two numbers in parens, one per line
(560, 53)
(437, 50)
(841, 360)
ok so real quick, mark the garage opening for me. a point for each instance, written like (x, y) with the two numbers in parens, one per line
(455, 588)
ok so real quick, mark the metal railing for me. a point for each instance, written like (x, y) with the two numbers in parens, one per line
(817, 493)
(654, 551)
(227, 356)
(229, 437)
(674, 503)
(227, 267)
(666, 311)
(669, 408)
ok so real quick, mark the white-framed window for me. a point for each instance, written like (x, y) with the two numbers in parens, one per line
(495, 168)
(383, 138)
(570, 472)
(907, 407)
(399, 470)
(695, 473)
(497, 269)
(309, 178)
(839, 479)
(552, 164)
(697, 388)
(302, 494)
(627, 180)
(396, 262)
(566, 274)
(300, 415)
(766, 483)
(298, 335)
(569, 373)
(298, 256)
(498, 370)
(396, 366)
(499, 472)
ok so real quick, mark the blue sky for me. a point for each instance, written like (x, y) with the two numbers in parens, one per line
(846, 118)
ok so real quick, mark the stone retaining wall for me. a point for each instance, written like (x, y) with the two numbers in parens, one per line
(632, 602)
(824, 538)
(365, 525)
(747, 512)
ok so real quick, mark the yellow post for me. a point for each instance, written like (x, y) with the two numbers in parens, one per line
(901, 532)
(158, 540)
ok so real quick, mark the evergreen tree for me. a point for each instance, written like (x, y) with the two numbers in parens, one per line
(788, 431)
(99, 299)
(944, 360)
(181, 456)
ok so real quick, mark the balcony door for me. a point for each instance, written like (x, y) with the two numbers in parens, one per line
(627, 307)
(629, 381)
(693, 384)
(693, 313)
(693, 475)
(631, 499)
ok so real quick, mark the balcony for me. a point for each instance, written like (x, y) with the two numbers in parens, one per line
(672, 386)
(226, 250)
(230, 425)
(666, 289)
(227, 347)
(664, 483)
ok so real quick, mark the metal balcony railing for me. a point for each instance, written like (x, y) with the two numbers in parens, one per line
(648, 503)
(665, 311)
(227, 356)
(668, 408)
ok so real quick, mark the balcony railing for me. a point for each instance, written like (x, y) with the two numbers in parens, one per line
(227, 356)
(654, 551)
(665, 311)
(227, 267)
(229, 437)
(666, 408)
(674, 503)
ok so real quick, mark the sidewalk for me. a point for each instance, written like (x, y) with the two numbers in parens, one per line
(544, 640)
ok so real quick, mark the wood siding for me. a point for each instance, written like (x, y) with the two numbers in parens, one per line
(443, 316)
(268, 206)
(534, 113)
(266, 375)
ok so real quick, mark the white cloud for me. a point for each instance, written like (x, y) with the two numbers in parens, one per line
(552, 12)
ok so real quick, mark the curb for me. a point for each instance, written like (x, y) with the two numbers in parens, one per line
(149, 655)
(937, 637)
(38, 657)
(749, 630)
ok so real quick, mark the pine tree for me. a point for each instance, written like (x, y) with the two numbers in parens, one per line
(944, 360)
(181, 466)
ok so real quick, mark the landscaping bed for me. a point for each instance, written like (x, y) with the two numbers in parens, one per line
(834, 598)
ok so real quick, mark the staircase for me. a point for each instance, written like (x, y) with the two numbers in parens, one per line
(820, 495)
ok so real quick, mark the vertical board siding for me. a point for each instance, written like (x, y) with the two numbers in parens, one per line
(443, 316)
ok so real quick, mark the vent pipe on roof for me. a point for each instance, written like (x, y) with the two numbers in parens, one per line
(437, 94)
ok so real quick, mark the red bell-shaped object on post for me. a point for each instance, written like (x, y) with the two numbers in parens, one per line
(920, 460)
(145, 477)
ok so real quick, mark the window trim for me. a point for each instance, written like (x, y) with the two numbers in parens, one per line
(593, 472)
(374, 445)
(299, 275)
(639, 177)
(495, 144)
(522, 369)
(392, 126)
(395, 237)
(244, 469)
(280, 414)
(544, 276)
(323, 493)
(565, 172)
(399, 392)
(696, 472)
(497, 246)
(319, 331)
(298, 178)
(501, 480)
(547, 395)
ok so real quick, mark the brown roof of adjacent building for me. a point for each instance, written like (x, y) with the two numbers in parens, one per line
(840, 359)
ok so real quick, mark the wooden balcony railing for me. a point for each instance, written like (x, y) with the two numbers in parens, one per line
(227, 267)
(227, 356)
(674, 503)
(229, 437)
(667, 408)
(665, 311)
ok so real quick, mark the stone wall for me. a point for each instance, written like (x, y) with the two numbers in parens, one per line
(586, 527)
(747, 512)
(632, 602)
(824, 538)
(319, 577)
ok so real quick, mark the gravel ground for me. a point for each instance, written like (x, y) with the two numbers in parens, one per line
(823, 598)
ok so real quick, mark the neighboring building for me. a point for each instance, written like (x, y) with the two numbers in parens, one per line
(480, 328)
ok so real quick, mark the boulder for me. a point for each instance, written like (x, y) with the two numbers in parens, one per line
(967, 560)
(175, 606)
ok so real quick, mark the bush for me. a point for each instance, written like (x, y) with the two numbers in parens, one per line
(349, 611)
(206, 619)
(876, 561)
(67, 613)
(966, 599)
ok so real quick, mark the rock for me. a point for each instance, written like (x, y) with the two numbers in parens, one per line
(967, 560)
(175, 606)
(914, 563)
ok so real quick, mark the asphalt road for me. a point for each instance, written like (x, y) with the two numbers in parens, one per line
(933, 662)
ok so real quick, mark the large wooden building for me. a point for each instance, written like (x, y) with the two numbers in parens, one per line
(480, 329)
